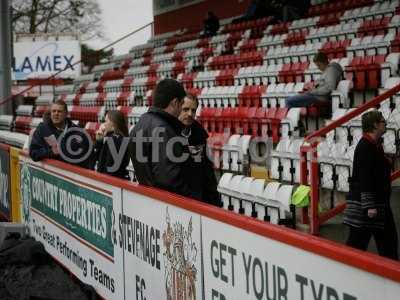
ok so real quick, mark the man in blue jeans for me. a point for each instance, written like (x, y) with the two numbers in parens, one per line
(332, 73)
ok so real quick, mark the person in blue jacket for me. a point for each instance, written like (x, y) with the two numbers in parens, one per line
(58, 138)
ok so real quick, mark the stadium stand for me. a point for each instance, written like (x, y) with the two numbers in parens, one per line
(242, 77)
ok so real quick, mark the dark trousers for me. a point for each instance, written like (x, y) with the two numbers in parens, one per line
(385, 239)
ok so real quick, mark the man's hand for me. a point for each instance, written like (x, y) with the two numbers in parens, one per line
(52, 142)
(372, 212)
(55, 149)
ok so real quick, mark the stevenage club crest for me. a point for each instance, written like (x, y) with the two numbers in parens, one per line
(180, 254)
(26, 193)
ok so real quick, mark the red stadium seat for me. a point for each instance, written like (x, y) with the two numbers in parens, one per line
(274, 116)
(395, 44)
(228, 115)
(256, 122)
(113, 75)
(374, 27)
(40, 110)
(365, 72)
(251, 95)
(293, 72)
(335, 49)
(215, 142)
(23, 124)
(187, 79)
(179, 68)
(296, 38)
(280, 28)
(100, 99)
(126, 64)
(249, 45)
(152, 71)
(226, 77)
(178, 55)
(329, 19)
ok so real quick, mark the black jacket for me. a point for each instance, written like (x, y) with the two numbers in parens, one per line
(153, 167)
(370, 185)
(74, 137)
(199, 168)
(211, 26)
(105, 159)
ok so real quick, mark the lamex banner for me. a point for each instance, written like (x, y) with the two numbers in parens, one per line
(33, 59)
(255, 267)
(162, 245)
(5, 195)
(74, 218)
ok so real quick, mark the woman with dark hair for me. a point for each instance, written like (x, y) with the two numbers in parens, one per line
(111, 151)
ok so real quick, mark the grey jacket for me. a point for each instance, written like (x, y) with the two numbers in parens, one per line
(328, 81)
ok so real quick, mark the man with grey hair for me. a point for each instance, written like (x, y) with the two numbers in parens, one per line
(368, 212)
(58, 138)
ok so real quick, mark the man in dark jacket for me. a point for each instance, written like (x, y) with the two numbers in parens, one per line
(201, 174)
(59, 138)
(211, 25)
(158, 152)
(368, 212)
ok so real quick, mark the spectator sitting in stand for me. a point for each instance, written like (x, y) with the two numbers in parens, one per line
(332, 73)
(211, 25)
(256, 10)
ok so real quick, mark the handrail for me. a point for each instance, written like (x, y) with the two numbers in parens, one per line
(310, 145)
(395, 175)
(347, 117)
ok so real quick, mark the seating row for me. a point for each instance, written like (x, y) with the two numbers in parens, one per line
(251, 197)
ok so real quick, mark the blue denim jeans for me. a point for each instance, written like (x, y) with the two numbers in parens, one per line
(301, 100)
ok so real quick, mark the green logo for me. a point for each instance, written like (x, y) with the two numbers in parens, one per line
(82, 211)
(26, 193)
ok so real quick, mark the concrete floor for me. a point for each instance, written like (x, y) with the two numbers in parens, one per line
(335, 230)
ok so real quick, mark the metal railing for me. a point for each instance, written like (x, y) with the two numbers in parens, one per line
(310, 165)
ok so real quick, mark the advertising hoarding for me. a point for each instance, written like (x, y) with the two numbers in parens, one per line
(75, 220)
(5, 192)
(45, 58)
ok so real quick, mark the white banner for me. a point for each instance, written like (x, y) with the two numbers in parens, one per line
(242, 265)
(74, 218)
(40, 59)
(162, 250)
